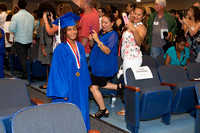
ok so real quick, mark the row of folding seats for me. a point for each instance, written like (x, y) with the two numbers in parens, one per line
(169, 91)
(47, 118)
(18, 115)
(159, 61)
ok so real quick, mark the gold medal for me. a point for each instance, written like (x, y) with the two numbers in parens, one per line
(77, 74)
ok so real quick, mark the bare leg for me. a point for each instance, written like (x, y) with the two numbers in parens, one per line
(98, 97)
(111, 86)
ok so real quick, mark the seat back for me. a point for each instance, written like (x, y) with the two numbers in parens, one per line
(33, 51)
(193, 70)
(192, 58)
(2, 127)
(13, 96)
(160, 61)
(172, 74)
(155, 100)
(144, 82)
(149, 61)
(49, 118)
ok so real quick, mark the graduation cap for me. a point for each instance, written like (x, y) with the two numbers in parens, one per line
(69, 19)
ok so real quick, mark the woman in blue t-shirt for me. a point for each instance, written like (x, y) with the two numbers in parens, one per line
(103, 61)
(178, 54)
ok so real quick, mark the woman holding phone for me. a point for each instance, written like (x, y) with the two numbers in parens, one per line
(132, 39)
(104, 61)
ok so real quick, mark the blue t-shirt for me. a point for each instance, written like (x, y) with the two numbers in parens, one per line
(105, 65)
(174, 59)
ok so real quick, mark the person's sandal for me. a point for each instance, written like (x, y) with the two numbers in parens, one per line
(101, 113)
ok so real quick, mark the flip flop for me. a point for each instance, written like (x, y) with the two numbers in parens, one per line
(121, 112)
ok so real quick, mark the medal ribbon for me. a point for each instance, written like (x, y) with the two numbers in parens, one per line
(77, 56)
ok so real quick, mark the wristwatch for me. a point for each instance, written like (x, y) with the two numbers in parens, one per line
(100, 44)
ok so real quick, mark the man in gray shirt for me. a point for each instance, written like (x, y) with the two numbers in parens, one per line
(159, 22)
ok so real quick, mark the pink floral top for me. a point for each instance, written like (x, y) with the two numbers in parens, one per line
(129, 49)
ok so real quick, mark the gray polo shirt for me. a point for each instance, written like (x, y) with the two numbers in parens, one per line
(159, 25)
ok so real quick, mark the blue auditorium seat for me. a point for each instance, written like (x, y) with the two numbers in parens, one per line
(193, 70)
(149, 61)
(146, 100)
(184, 98)
(34, 66)
(197, 89)
(160, 61)
(49, 118)
(197, 127)
(13, 96)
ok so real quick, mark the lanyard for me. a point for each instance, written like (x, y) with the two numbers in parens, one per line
(77, 56)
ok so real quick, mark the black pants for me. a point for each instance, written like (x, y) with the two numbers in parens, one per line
(22, 53)
(6, 57)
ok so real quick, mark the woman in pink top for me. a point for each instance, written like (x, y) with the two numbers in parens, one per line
(132, 39)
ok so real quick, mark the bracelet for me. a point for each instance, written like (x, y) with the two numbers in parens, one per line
(100, 44)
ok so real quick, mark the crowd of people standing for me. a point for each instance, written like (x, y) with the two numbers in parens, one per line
(69, 44)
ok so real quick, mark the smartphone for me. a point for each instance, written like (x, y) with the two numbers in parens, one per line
(91, 29)
(125, 18)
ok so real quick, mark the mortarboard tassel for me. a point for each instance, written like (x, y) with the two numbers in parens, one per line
(59, 32)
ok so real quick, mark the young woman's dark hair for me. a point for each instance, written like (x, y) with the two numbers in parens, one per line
(63, 35)
(180, 37)
(9, 16)
(46, 7)
(22, 4)
(103, 10)
(111, 17)
(196, 12)
(152, 9)
(3, 7)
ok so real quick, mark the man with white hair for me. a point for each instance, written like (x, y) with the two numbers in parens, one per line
(197, 4)
(161, 28)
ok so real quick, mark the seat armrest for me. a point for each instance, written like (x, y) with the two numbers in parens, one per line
(36, 101)
(93, 131)
(169, 84)
(198, 107)
(195, 79)
(136, 89)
